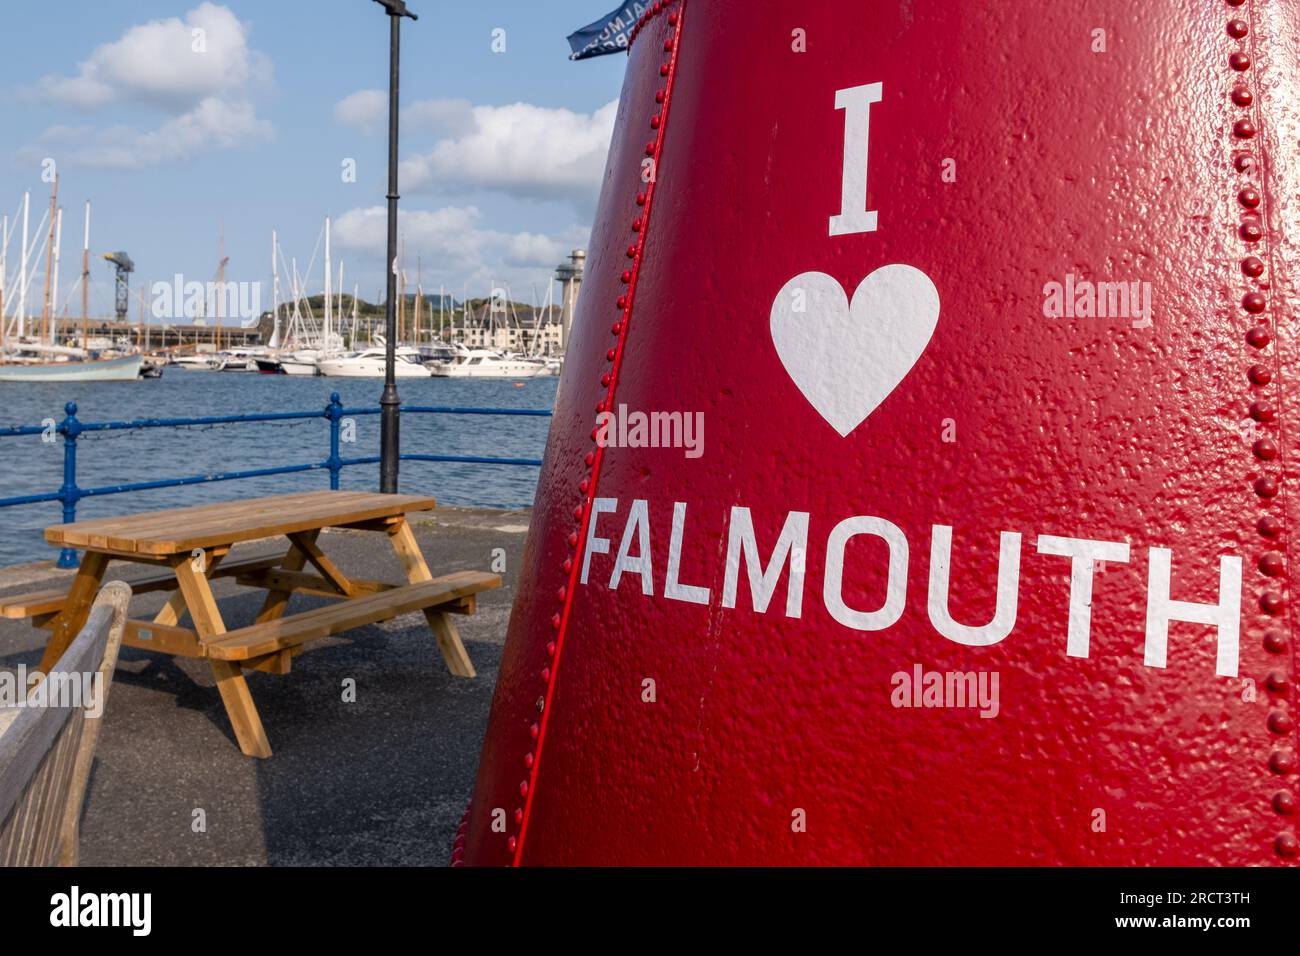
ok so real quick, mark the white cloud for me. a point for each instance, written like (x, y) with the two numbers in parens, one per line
(533, 152)
(456, 246)
(198, 71)
(527, 151)
(364, 109)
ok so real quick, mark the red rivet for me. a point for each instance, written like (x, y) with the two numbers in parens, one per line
(589, 459)
(1281, 763)
(512, 843)
(573, 539)
(546, 673)
(1251, 231)
(1265, 450)
(604, 380)
(1243, 162)
(1239, 62)
(668, 46)
(534, 730)
(622, 302)
(1258, 337)
(555, 621)
(640, 199)
(626, 277)
(1272, 603)
(1275, 642)
(600, 407)
(1284, 802)
(609, 355)
(1237, 28)
(1260, 375)
(649, 149)
(636, 225)
(663, 70)
(1242, 96)
(1277, 682)
(567, 565)
(1262, 411)
(616, 328)
(1254, 302)
(528, 760)
(577, 513)
(631, 252)
(523, 788)
(1271, 564)
(585, 484)
(659, 96)
(654, 122)
(1235, 3)
(1266, 487)
(550, 648)
(1280, 723)
(519, 814)
(1286, 845)
(1249, 197)
(1252, 266)
(1243, 129)
(595, 433)
(672, 19)
(1269, 527)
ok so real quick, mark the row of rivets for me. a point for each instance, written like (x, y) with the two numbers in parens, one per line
(1271, 564)
(585, 486)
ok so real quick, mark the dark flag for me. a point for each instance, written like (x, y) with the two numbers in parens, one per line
(608, 34)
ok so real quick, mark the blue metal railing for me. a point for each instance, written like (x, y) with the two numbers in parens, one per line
(71, 428)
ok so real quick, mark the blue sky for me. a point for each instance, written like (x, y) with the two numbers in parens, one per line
(502, 151)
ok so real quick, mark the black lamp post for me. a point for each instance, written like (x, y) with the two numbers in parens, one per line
(389, 403)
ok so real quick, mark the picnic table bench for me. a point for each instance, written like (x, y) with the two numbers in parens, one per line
(189, 547)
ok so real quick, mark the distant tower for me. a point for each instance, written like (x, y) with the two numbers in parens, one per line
(124, 267)
(569, 275)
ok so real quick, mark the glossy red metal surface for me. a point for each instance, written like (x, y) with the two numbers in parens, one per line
(934, 395)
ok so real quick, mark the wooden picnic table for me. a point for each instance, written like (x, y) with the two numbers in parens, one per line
(189, 547)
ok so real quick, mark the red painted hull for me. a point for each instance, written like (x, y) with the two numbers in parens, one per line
(1014, 153)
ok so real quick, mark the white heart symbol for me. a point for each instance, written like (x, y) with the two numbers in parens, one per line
(846, 359)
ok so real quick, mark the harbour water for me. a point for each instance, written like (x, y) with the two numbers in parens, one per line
(29, 465)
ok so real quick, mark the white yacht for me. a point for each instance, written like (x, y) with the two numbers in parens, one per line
(370, 363)
(199, 361)
(487, 363)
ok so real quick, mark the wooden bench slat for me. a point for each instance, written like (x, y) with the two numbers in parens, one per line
(102, 528)
(202, 526)
(33, 604)
(271, 636)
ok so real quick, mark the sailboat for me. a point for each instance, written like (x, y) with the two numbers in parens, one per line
(27, 357)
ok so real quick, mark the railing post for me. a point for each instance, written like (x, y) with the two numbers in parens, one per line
(69, 493)
(334, 412)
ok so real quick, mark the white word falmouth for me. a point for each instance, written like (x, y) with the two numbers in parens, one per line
(786, 563)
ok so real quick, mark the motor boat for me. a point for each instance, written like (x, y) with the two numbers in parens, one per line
(197, 362)
(487, 363)
(371, 362)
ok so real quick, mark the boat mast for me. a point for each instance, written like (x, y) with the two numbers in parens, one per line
(85, 280)
(22, 285)
(49, 262)
(338, 305)
(221, 285)
(328, 313)
(4, 271)
(419, 294)
(275, 291)
(54, 299)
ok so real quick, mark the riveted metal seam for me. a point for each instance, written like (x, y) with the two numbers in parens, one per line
(662, 7)
(1284, 842)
